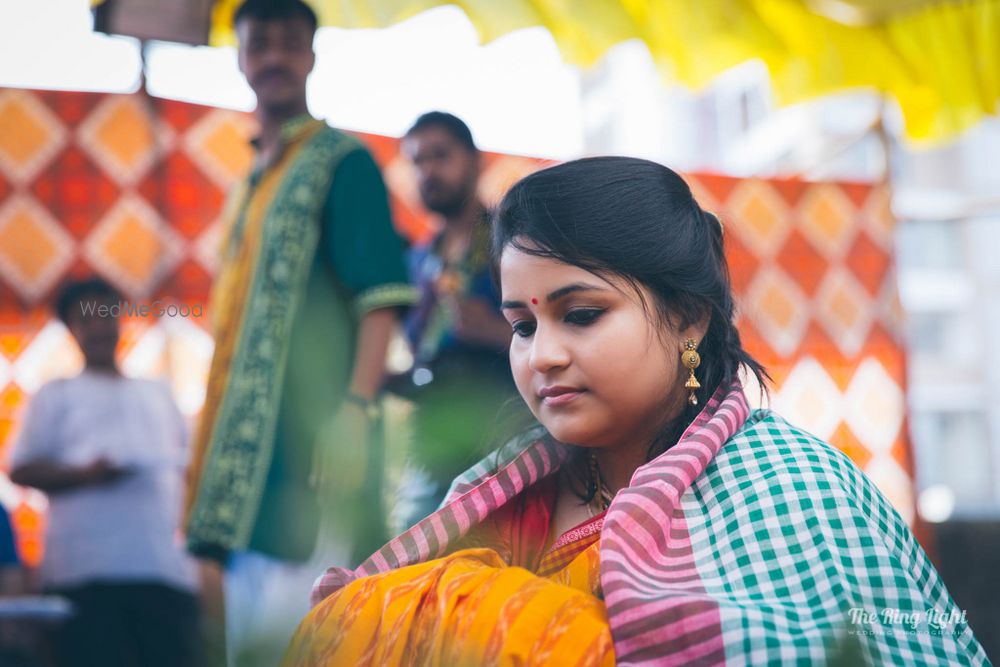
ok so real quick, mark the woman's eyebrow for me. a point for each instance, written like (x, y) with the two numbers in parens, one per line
(555, 295)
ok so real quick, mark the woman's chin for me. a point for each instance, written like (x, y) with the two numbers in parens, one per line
(569, 433)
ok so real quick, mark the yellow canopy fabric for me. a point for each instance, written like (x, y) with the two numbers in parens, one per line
(940, 59)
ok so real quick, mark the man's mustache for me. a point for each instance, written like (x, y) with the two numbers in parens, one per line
(433, 186)
(272, 72)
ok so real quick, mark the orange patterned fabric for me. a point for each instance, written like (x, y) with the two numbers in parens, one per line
(131, 187)
(468, 608)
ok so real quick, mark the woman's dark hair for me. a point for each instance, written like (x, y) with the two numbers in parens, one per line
(637, 220)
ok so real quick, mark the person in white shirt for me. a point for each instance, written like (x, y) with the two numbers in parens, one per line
(110, 453)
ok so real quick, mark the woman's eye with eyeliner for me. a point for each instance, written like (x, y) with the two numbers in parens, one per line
(523, 328)
(583, 316)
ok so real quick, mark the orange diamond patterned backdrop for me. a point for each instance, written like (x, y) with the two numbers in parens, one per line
(130, 187)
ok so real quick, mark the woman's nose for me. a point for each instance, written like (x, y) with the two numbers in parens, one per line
(548, 351)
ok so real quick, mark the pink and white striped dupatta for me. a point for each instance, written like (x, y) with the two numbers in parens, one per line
(643, 535)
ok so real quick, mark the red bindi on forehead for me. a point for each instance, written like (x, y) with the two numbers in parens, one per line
(534, 301)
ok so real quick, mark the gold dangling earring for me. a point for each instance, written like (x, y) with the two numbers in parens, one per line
(691, 359)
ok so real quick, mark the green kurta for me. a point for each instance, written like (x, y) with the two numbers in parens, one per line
(357, 267)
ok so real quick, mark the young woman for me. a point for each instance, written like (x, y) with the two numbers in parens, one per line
(652, 518)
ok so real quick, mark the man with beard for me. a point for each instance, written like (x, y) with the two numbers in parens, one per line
(458, 337)
(312, 279)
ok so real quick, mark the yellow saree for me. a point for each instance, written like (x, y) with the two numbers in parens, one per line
(510, 599)
(466, 609)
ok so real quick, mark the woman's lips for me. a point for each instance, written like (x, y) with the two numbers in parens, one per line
(554, 397)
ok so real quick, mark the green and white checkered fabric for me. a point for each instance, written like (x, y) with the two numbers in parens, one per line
(810, 564)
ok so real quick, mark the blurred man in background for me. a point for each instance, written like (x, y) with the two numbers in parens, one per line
(459, 339)
(110, 453)
(312, 279)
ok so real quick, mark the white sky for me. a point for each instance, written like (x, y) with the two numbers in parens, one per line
(515, 93)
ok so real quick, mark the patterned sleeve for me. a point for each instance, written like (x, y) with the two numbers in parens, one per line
(365, 249)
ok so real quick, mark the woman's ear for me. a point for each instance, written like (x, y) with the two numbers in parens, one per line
(696, 330)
